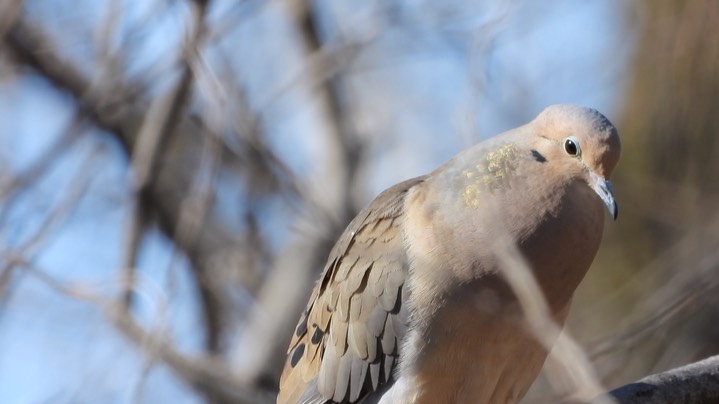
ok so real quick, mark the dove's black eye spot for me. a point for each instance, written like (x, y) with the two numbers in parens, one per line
(571, 146)
(538, 156)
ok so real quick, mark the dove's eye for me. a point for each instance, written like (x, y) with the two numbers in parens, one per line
(571, 146)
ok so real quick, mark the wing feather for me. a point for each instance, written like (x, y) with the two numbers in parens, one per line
(346, 343)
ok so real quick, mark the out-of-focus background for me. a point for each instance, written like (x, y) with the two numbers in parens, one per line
(173, 173)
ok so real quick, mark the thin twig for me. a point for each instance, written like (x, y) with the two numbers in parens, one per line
(58, 215)
(123, 118)
(207, 374)
(574, 369)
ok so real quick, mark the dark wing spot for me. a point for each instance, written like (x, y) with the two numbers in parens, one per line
(297, 354)
(538, 156)
(317, 335)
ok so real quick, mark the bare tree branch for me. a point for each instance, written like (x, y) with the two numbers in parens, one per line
(160, 121)
(267, 331)
(694, 383)
(59, 214)
(569, 369)
(11, 187)
(123, 116)
(207, 374)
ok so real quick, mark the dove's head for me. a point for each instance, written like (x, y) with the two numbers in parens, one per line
(583, 144)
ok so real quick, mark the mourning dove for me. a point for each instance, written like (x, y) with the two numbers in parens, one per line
(412, 306)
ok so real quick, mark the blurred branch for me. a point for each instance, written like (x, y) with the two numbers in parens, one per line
(662, 314)
(57, 215)
(680, 294)
(694, 383)
(123, 116)
(158, 124)
(207, 374)
(668, 174)
(8, 12)
(262, 350)
(11, 187)
(32, 47)
(570, 371)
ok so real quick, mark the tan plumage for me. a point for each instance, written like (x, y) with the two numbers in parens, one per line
(412, 307)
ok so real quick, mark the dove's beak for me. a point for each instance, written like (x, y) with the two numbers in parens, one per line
(603, 188)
